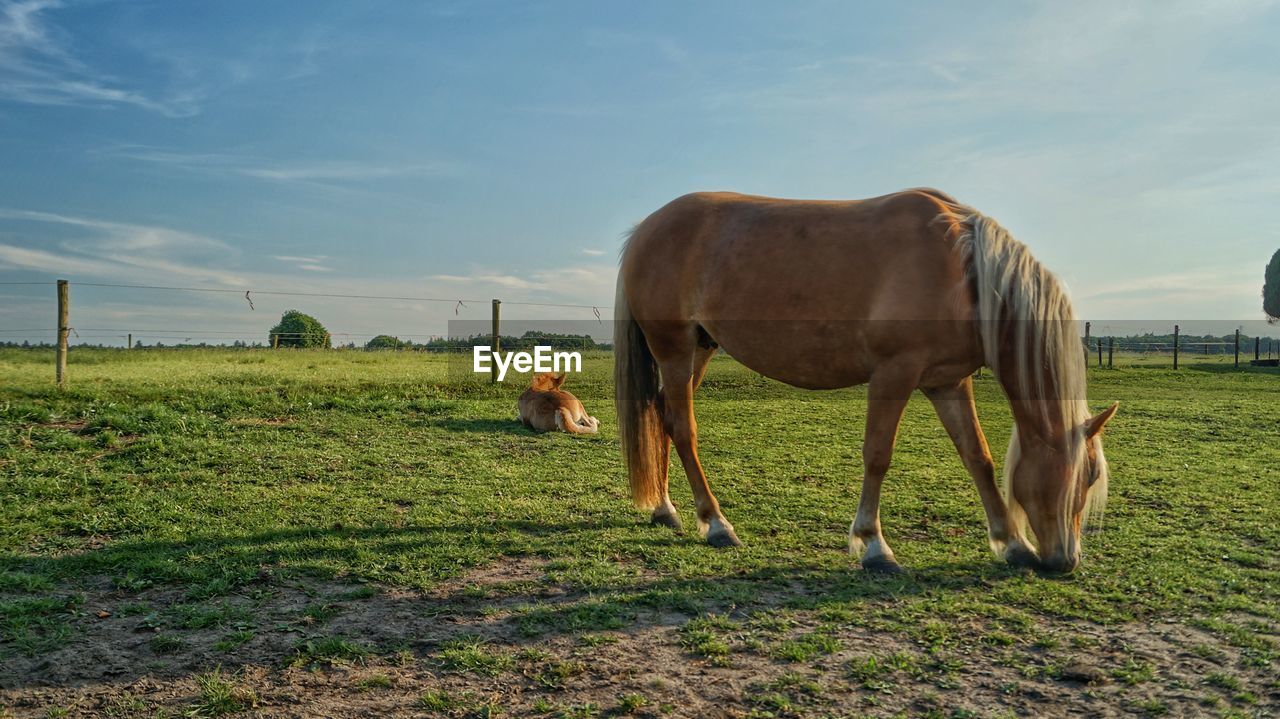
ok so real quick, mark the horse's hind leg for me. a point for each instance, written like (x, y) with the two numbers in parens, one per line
(665, 513)
(678, 380)
(887, 397)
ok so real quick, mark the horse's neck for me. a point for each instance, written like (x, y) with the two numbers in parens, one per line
(1034, 413)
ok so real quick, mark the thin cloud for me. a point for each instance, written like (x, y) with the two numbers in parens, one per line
(316, 259)
(352, 171)
(489, 278)
(309, 264)
(37, 67)
(236, 165)
(122, 251)
(592, 252)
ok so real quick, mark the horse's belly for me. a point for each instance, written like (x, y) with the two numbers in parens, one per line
(809, 357)
(817, 354)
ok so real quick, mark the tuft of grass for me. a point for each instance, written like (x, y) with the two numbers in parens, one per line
(1151, 707)
(871, 672)
(234, 640)
(597, 640)
(36, 625)
(439, 701)
(328, 650)
(631, 703)
(702, 637)
(785, 696)
(556, 674)
(317, 614)
(219, 695)
(204, 616)
(806, 647)
(586, 710)
(167, 644)
(375, 681)
(472, 654)
(1222, 681)
(1134, 672)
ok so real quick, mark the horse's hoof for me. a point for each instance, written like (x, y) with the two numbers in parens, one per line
(670, 520)
(1019, 555)
(881, 565)
(721, 538)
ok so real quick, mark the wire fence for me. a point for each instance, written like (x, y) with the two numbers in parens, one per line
(1099, 351)
(458, 305)
(66, 334)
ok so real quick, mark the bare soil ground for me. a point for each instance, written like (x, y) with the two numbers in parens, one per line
(313, 648)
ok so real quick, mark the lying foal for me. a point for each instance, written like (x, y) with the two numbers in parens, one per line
(545, 407)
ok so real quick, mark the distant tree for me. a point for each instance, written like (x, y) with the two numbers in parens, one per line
(299, 330)
(385, 342)
(1271, 289)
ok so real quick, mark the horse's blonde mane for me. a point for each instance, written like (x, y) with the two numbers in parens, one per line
(1024, 310)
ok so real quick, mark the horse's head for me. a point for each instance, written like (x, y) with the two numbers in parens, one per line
(546, 382)
(1054, 483)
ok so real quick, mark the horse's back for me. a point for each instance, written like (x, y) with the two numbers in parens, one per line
(795, 255)
(819, 276)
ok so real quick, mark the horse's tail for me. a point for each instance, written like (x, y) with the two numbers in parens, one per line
(635, 374)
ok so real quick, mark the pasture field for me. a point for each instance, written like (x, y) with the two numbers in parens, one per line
(297, 533)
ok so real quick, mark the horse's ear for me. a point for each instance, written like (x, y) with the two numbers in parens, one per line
(1094, 424)
(559, 380)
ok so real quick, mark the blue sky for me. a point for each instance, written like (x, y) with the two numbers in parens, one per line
(477, 150)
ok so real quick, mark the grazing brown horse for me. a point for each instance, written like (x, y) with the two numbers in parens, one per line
(903, 292)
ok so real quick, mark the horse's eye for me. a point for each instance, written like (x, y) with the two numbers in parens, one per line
(1093, 473)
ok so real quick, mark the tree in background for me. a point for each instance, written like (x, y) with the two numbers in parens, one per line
(299, 330)
(386, 342)
(1271, 289)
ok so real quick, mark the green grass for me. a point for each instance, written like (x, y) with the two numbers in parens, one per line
(806, 647)
(219, 695)
(194, 470)
(471, 654)
(329, 650)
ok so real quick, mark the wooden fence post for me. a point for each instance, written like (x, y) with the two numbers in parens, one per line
(275, 341)
(129, 346)
(64, 315)
(496, 343)
(1111, 352)
(1257, 345)
(1175, 347)
(1237, 349)
(1087, 326)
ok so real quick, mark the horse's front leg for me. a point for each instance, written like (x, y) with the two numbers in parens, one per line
(887, 397)
(677, 415)
(959, 414)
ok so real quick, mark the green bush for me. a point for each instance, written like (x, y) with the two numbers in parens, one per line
(299, 330)
(386, 342)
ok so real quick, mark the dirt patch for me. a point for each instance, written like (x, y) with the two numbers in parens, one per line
(307, 647)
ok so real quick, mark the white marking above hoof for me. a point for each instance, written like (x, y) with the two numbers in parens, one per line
(720, 534)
